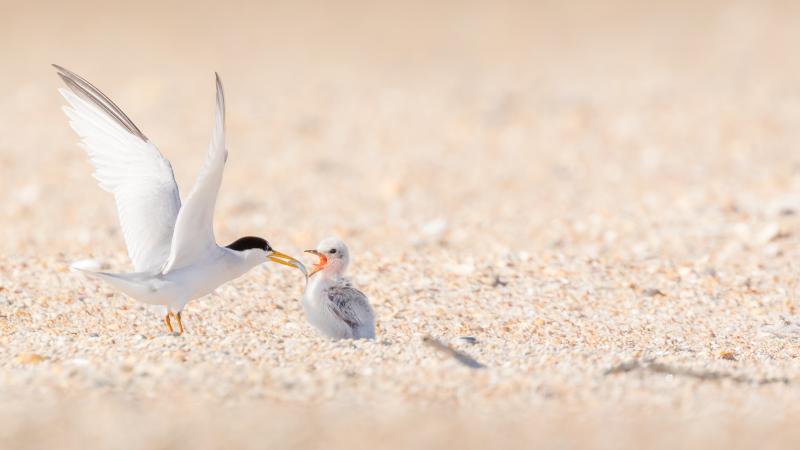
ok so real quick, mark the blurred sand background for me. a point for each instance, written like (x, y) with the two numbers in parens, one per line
(576, 185)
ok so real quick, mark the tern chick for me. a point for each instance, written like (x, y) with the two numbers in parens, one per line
(170, 242)
(332, 304)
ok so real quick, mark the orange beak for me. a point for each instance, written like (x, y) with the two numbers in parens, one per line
(323, 261)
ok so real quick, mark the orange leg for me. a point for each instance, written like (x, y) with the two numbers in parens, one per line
(168, 322)
(180, 323)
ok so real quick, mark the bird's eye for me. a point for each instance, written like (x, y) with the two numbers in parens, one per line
(333, 250)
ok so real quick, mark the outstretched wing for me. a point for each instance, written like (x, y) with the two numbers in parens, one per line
(129, 166)
(350, 305)
(193, 239)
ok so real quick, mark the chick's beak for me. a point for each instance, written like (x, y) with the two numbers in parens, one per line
(323, 261)
(286, 260)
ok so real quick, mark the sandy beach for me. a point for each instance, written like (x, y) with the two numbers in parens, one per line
(600, 203)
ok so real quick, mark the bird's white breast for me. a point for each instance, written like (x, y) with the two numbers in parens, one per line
(203, 278)
(319, 314)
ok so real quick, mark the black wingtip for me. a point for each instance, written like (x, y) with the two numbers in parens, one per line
(220, 96)
(80, 86)
(218, 80)
(64, 71)
(61, 70)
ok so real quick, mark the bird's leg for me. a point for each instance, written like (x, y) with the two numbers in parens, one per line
(169, 322)
(180, 323)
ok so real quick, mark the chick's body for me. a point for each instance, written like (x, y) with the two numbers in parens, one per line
(331, 303)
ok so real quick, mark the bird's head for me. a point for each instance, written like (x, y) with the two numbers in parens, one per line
(257, 249)
(333, 256)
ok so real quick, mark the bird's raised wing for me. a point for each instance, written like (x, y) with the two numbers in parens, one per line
(193, 239)
(129, 166)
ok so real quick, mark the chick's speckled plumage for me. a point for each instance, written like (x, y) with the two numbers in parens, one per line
(332, 305)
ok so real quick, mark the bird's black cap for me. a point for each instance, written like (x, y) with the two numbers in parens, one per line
(249, 242)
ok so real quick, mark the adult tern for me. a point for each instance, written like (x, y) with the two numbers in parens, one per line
(171, 244)
(331, 303)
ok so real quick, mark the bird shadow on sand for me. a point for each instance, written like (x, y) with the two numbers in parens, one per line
(458, 355)
(655, 367)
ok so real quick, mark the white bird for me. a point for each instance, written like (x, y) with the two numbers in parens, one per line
(172, 246)
(331, 303)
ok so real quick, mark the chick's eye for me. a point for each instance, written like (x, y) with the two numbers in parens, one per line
(333, 250)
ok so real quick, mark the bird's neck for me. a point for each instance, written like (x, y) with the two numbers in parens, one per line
(326, 277)
(239, 263)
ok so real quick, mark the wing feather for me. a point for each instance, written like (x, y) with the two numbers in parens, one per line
(129, 166)
(351, 306)
(194, 239)
(88, 92)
